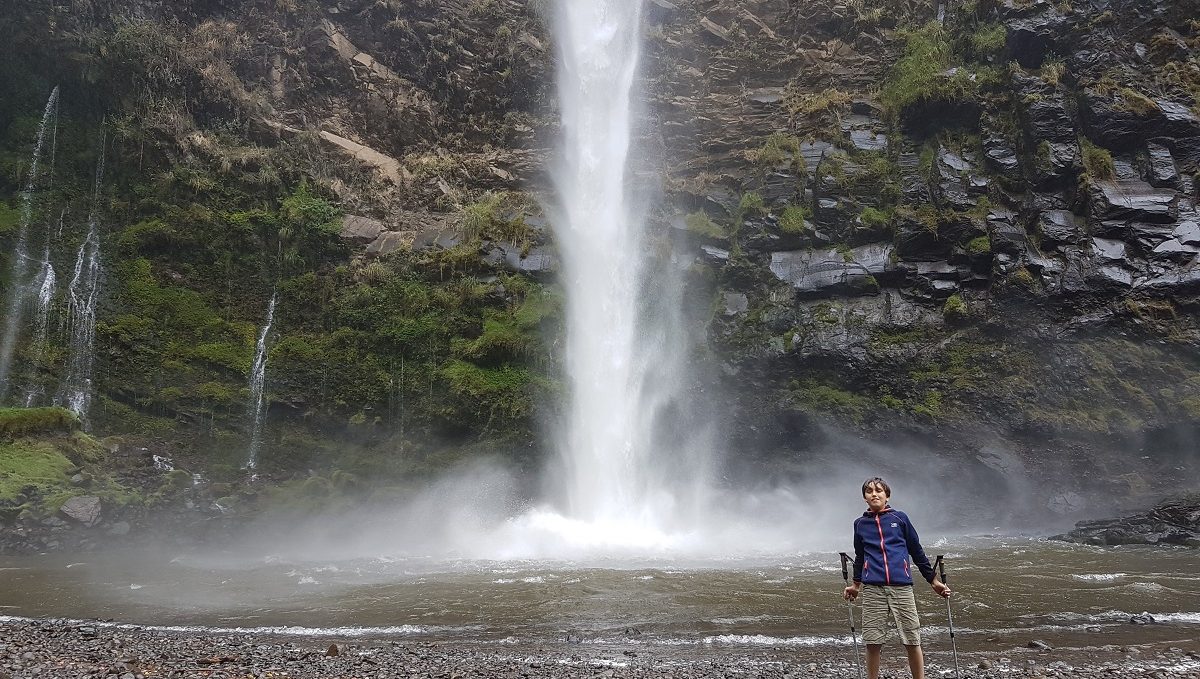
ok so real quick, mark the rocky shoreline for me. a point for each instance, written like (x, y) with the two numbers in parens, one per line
(1172, 522)
(50, 648)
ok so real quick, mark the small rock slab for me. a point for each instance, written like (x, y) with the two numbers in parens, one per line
(84, 509)
(387, 243)
(361, 229)
(812, 270)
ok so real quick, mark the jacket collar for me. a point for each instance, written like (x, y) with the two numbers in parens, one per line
(871, 514)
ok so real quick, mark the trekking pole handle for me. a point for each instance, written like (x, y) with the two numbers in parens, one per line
(845, 573)
(940, 567)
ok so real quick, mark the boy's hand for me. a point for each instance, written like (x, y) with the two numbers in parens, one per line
(941, 588)
(851, 593)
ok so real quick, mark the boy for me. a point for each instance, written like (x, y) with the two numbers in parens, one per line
(884, 538)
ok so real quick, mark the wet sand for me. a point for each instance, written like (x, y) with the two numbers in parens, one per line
(47, 648)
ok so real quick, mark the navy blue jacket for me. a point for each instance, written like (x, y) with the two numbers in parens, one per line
(882, 544)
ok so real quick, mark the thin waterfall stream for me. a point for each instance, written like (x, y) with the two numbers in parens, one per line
(83, 295)
(256, 410)
(20, 286)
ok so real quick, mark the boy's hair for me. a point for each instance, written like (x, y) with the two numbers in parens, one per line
(874, 480)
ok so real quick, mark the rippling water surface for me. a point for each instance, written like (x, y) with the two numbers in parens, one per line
(1008, 590)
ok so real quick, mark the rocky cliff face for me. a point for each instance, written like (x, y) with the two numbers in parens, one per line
(966, 229)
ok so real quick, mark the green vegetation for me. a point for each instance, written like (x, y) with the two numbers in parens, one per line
(874, 218)
(955, 310)
(18, 422)
(498, 216)
(779, 149)
(813, 396)
(701, 224)
(793, 219)
(988, 40)
(1097, 161)
(920, 75)
(752, 205)
(980, 245)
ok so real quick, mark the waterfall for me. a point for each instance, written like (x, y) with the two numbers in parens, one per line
(82, 297)
(45, 285)
(19, 287)
(258, 380)
(619, 480)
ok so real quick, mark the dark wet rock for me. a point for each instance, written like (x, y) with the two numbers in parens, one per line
(1175, 522)
(1033, 31)
(84, 509)
(1060, 226)
(1039, 645)
(1008, 236)
(713, 254)
(820, 269)
(1163, 172)
(1143, 619)
(1133, 200)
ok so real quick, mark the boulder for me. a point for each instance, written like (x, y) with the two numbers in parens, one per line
(534, 260)
(361, 230)
(387, 243)
(83, 509)
(1060, 226)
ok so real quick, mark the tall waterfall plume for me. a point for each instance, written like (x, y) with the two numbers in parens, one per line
(258, 379)
(20, 287)
(83, 294)
(622, 486)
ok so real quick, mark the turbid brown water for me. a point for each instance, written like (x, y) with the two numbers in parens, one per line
(1008, 591)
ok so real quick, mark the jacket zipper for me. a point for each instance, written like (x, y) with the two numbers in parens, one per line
(887, 572)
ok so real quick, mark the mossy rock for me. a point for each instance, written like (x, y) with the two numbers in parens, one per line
(19, 422)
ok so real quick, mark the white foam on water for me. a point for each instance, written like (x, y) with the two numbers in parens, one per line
(281, 630)
(764, 640)
(1097, 577)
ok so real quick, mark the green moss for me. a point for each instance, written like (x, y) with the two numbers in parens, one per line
(989, 39)
(18, 422)
(701, 224)
(9, 219)
(980, 245)
(818, 397)
(955, 309)
(918, 76)
(752, 204)
(794, 219)
(32, 464)
(874, 218)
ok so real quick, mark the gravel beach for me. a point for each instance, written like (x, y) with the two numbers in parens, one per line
(49, 648)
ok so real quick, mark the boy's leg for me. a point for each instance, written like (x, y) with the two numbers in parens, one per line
(874, 652)
(874, 625)
(916, 661)
(904, 609)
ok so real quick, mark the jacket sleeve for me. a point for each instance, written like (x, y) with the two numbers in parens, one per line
(859, 554)
(916, 551)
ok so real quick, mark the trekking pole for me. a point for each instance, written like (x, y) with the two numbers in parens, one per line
(940, 565)
(850, 614)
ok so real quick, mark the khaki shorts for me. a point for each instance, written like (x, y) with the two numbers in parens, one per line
(887, 606)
